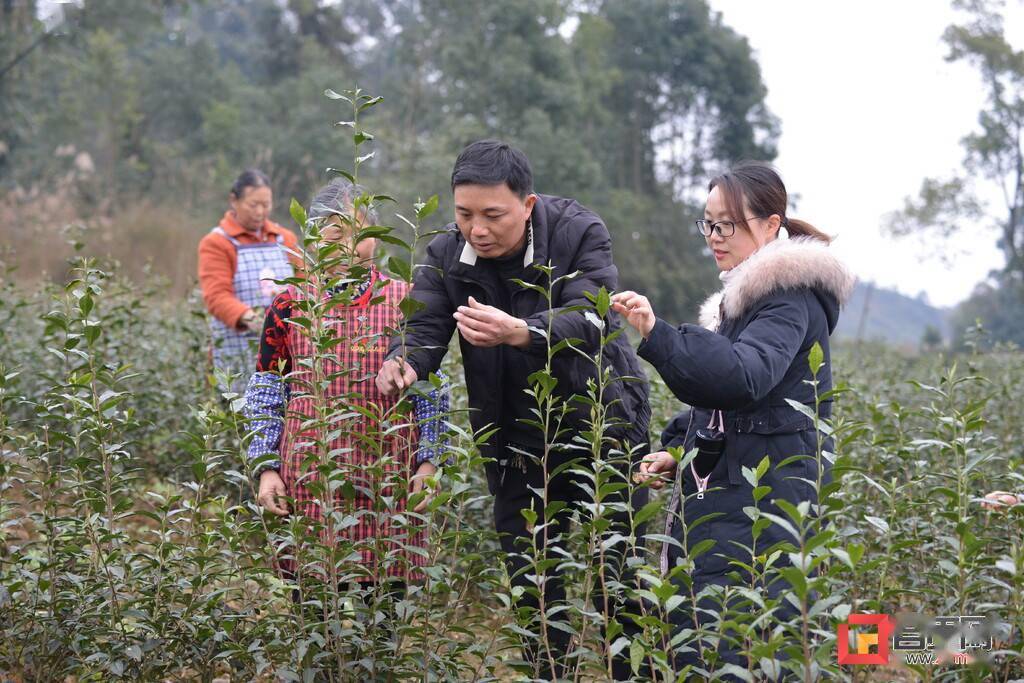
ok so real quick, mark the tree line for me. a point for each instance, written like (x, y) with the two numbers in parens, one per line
(629, 107)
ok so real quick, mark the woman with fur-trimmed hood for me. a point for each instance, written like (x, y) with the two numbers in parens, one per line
(783, 288)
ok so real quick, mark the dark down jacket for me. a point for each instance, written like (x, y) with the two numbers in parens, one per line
(571, 239)
(747, 357)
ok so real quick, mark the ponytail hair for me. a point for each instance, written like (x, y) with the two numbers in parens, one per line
(798, 228)
(757, 186)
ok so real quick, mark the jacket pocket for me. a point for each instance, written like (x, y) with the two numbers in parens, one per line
(747, 449)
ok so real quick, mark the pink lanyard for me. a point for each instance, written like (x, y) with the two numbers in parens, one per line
(702, 482)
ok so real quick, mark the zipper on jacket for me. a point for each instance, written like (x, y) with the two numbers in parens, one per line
(504, 463)
(702, 482)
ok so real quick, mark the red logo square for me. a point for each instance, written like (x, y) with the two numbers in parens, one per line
(864, 641)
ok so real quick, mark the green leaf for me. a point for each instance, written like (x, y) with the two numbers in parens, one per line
(762, 467)
(792, 511)
(330, 94)
(878, 523)
(760, 525)
(802, 409)
(760, 492)
(647, 512)
(425, 209)
(343, 173)
(856, 552)
(396, 241)
(702, 547)
(401, 268)
(636, 654)
(785, 524)
(369, 231)
(553, 508)
(85, 305)
(749, 475)
(298, 213)
(737, 671)
(409, 306)
(816, 358)
(603, 302)
(373, 101)
(843, 556)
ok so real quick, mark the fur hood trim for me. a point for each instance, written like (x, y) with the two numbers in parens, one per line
(782, 264)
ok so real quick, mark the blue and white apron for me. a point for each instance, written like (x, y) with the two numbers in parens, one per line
(259, 264)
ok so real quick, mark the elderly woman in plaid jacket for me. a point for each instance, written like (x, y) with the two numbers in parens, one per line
(375, 447)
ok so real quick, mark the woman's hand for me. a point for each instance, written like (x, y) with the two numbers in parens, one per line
(272, 492)
(252, 321)
(656, 469)
(420, 482)
(999, 500)
(395, 376)
(637, 311)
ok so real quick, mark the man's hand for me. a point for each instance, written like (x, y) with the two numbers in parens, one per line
(483, 325)
(637, 311)
(655, 469)
(419, 483)
(272, 492)
(395, 376)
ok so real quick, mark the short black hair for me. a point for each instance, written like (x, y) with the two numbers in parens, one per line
(250, 177)
(493, 162)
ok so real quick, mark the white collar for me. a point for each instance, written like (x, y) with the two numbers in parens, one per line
(469, 255)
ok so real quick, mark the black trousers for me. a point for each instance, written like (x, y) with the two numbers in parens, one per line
(520, 481)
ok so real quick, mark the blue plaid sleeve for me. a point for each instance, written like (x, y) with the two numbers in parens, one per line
(265, 398)
(431, 413)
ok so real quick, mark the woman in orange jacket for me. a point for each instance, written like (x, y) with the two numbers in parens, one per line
(239, 261)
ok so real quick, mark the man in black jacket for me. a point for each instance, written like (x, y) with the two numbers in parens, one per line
(502, 233)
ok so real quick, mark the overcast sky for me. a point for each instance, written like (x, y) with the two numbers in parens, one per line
(869, 108)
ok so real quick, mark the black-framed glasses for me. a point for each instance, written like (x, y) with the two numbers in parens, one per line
(723, 228)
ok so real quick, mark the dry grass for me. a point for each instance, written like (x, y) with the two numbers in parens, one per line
(147, 239)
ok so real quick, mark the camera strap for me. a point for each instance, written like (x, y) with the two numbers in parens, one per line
(702, 482)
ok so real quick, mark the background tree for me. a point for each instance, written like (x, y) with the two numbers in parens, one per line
(150, 110)
(993, 158)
